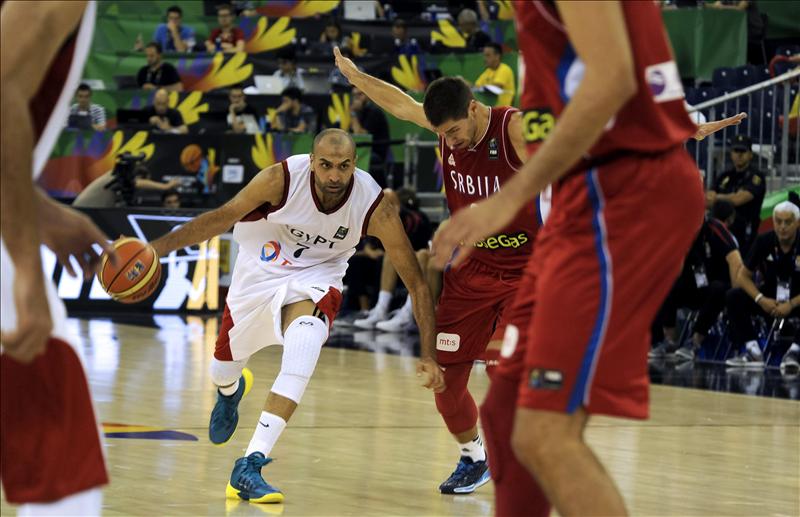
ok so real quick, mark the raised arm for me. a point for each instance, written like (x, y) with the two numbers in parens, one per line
(266, 187)
(386, 226)
(706, 128)
(389, 97)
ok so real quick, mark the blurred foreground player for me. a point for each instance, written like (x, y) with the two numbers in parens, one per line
(627, 202)
(297, 223)
(52, 458)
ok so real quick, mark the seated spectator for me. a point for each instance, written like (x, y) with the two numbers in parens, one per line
(171, 199)
(294, 116)
(287, 71)
(709, 271)
(227, 37)
(744, 186)
(173, 36)
(162, 117)
(402, 43)
(158, 73)
(419, 231)
(468, 25)
(242, 117)
(85, 115)
(775, 256)
(497, 74)
(367, 118)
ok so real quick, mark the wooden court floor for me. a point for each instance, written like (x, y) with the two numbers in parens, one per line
(368, 441)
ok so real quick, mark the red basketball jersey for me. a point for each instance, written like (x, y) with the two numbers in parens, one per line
(654, 120)
(475, 173)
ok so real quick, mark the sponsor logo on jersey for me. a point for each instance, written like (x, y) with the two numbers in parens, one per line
(537, 124)
(451, 161)
(270, 251)
(541, 379)
(503, 241)
(341, 233)
(664, 81)
(447, 342)
(494, 154)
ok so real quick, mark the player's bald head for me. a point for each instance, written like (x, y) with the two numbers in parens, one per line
(334, 141)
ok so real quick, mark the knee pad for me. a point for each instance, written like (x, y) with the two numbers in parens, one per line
(455, 404)
(225, 373)
(302, 343)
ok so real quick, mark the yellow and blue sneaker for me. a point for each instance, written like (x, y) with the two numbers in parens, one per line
(247, 484)
(225, 415)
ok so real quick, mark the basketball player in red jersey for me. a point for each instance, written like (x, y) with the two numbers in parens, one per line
(627, 202)
(481, 149)
(52, 459)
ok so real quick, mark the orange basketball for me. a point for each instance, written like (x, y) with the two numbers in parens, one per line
(136, 275)
(191, 157)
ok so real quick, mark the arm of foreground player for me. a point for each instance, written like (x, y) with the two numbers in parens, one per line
(706, 128)
(385, 225)
(597, 32)
(266, 187)
(389, 97)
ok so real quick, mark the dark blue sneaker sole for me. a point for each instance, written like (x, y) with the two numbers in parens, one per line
(462, 490)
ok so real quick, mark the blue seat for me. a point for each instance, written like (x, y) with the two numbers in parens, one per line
(788, 50)
(724, 78)
(746, 75)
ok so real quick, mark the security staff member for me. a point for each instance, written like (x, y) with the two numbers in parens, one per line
(776, 257)
(744, 186)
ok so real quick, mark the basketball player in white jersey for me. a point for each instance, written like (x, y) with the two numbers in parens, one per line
(297, 223)
(52, 458)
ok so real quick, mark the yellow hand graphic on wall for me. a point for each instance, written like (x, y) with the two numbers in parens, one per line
(448, 35)
(136, 145)
(270, 37)
(263, 153)
(339, 110)
(233, 72)
(190, 108)
(505, 10)
(407, 74)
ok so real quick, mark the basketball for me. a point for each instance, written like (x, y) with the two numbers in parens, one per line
(191, 157)
(136, 274)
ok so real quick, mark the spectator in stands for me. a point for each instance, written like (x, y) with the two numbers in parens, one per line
(744, 186)
(294, 116)
(367, 118)
(468, 25)
(173, 36)
(497, 74)
(227, 37)
(242, 117)
(171, 199)
(162, 117)
(402, 43)
(709, 271)
(85, 115)
(775, 256)
(287, 71)
(158, 73)
(245, 8)
(419, 231)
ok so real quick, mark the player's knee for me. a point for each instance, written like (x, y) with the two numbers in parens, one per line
(536, 440)
(302, 344)
(225, 373)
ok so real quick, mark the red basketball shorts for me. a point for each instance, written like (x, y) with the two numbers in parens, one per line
(470, 310)
(602, 265)
(50, 441)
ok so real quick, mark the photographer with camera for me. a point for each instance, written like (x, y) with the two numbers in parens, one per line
(117, 187)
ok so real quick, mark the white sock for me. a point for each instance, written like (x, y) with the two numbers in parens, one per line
(407, 308)
(473, 449)
(88, 502)
(795, 348)
(268, 430)
(229, 390)
(384, 299)
(752, 347)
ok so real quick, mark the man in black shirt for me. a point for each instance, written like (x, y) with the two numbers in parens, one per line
(162, 117)
(744, 187)
(468, 25)
(369, 119)
(242, 117)
(157, 73)
(775, 256)
(708, 272)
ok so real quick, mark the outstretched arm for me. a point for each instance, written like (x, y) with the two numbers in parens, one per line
(705, 129)
(266, 187)
(386, 226)
(390, 98)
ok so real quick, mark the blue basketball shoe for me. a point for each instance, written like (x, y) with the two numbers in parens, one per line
(246, 482)
(225, 415)
(468, 476)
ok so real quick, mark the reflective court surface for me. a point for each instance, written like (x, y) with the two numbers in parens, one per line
(367, 439)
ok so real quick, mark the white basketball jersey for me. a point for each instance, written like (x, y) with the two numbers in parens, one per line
(299, 234)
